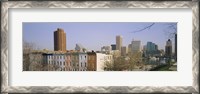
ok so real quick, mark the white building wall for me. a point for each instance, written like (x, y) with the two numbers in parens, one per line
(57, 59)
(82, 61)
(101, 59)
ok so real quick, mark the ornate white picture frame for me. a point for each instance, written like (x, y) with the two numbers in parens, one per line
(6, 5)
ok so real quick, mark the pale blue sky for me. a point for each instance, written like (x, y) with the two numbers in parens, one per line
(94, 35)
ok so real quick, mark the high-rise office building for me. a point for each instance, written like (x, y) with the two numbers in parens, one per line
(136, 46)
(106, 49)
(144, 48)
(59, 40)
(151, 47)
(123, 50)
(80, 48)
(118, 42)
(175, 47)
(129, 48)
(113, 46)
(156, 47)
(168, 48)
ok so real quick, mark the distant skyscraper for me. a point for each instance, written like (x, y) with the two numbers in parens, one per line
(118, 42)
(129, 48)
(80, 48)
(151, 47)
(156, 47)
(168, 48)
(106, 49)
(59, 40)
(123, 50)
(176, 47)
(136, 46)
(113, 46)
(144, 48)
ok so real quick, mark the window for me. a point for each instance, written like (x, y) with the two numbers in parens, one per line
(60, 63)
(85, 64)
(81, 64)
(85, 57)
(64, 63)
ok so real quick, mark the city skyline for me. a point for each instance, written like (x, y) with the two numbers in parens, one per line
(94, 35)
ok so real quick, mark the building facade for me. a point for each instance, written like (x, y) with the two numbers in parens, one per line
(56, 61)
(135, 46)
(175, 54)
(91, 64)
(80, 48)
(168, 48)
(59, 40)
(129, 48)
(83, 61)
(118, 42)
(152, 49)
(123, 51)
(102, 59)
(106, 49)
(69, 61)
(75, 61)
(113, 46)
